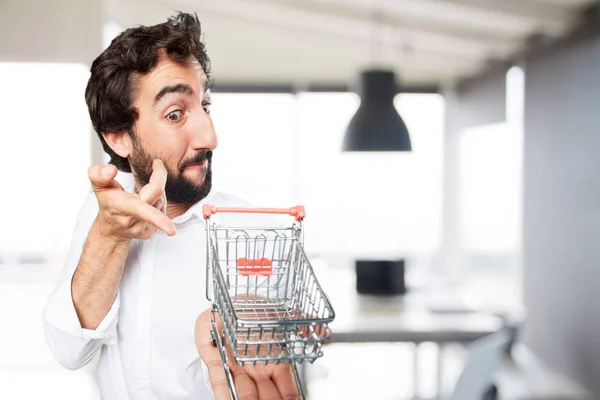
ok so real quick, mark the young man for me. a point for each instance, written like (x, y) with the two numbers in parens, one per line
(133, 286)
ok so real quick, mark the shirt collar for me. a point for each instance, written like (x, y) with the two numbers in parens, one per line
(195, 210)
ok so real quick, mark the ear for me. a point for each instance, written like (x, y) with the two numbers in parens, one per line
(119, 142)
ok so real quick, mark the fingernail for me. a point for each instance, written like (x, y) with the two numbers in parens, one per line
(106, 170)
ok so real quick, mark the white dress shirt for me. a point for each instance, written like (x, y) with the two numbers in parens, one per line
(147, 338)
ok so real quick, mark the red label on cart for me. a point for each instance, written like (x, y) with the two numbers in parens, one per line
(260, 266)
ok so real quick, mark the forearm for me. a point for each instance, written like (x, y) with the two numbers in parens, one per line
(96, 280)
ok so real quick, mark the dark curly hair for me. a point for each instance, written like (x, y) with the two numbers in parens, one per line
(110, 90)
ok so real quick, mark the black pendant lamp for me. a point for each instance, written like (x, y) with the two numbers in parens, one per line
(377, 126)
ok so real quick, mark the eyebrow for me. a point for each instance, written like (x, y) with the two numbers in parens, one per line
(179, 88)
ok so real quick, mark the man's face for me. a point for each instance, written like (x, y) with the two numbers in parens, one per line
(174, 126)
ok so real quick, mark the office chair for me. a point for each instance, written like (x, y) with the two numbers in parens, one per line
(476, 381)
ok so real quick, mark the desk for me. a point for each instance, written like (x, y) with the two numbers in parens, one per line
(430, 312)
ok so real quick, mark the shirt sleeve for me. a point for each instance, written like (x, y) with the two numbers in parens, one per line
(206, 377)
(200, 371)
(73, 346)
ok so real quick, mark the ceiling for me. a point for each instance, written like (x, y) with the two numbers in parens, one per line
(326, 42)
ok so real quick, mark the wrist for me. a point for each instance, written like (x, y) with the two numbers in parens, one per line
(103, 229)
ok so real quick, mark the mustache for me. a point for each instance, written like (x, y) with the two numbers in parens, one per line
(197, 159)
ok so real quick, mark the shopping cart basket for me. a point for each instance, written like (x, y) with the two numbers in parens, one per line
(265, 291)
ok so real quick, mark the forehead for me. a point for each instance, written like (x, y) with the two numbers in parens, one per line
(167, 73)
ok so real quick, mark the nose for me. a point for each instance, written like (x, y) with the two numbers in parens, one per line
(202, 132)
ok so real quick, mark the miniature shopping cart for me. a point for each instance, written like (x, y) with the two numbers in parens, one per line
(265, 292)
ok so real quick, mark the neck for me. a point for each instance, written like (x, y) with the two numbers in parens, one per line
(176, 209)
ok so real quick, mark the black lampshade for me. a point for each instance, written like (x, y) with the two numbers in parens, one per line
(377, 126)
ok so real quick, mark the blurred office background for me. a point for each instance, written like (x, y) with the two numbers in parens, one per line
(494, 212)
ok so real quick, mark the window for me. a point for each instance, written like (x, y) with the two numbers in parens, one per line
(490, 170)
(44, 155)
(281, 150)
(490, 201)
(254, 158)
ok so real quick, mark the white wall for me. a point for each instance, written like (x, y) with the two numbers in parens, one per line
(562, 209)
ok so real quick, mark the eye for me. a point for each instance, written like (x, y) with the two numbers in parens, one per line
(206, 107)
(174, 116)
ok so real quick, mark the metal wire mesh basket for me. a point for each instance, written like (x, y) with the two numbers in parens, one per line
(264, 289)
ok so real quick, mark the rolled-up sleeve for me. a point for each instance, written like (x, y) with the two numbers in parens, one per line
(73, 346)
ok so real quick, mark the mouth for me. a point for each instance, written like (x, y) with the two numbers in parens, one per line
(201, 164)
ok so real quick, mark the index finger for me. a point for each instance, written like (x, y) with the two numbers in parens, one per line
(159, 174)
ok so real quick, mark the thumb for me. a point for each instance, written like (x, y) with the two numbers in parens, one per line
(102, 176)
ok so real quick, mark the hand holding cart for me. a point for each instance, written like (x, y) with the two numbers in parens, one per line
(267, 296)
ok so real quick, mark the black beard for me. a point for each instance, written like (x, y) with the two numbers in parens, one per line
(178, 188)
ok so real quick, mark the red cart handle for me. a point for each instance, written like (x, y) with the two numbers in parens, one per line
(298, 212)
